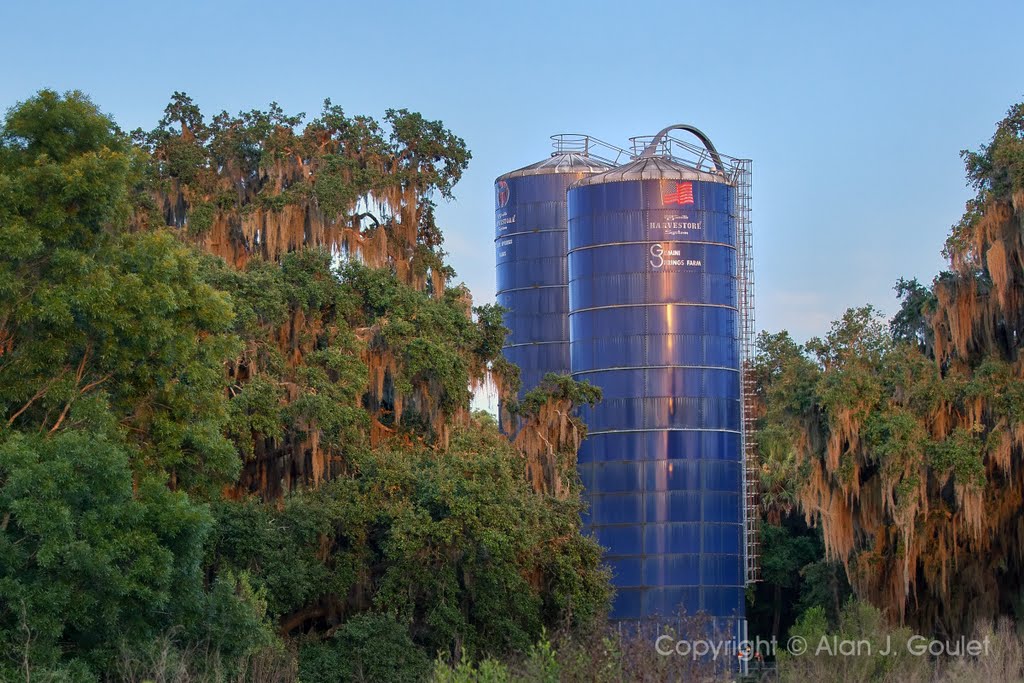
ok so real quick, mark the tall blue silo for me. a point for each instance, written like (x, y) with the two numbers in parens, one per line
(655, 322)
(530, 253)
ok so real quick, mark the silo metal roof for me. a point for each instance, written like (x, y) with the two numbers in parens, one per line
(569, 162)
(651, 168)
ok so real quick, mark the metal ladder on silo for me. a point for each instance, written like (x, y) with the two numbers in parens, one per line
(748, 332)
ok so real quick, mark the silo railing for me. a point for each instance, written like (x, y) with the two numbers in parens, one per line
(690, 154)
(588, 145)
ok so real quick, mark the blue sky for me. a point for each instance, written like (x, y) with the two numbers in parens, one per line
(853, 112)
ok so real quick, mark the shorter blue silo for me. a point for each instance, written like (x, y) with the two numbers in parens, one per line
(530, 254)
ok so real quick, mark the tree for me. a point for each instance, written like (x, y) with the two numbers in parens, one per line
(90, 562)
(100, 327)
(909, 449)
(910, 324)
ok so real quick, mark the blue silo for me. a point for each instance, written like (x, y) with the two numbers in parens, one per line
(530, 253)
(655, 322)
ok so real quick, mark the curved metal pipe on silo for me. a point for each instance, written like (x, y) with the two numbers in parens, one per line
(655, 323)
(530, 254)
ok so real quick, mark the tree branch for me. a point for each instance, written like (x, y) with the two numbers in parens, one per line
(79, 374)
(60, 419)
(38, 395)
(298, 618)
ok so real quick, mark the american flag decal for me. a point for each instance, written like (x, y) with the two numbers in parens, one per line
(683, 194)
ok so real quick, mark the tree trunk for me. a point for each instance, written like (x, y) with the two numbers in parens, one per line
(835, 592)
(777, 616)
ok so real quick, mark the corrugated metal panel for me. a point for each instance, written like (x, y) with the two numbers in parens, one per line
(654, 322)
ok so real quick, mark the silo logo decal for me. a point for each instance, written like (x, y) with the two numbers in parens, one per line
(502, 193)
(682, 195)
(659, 254)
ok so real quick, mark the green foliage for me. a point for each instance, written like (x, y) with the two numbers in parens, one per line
(558, 388)
(785, 554)
(910, 322)
(783, 375)
(961, 455)
(101, 327)
(995, 381)
(65, 174)
(492, 330)
(444, 541)
(59, 128)
(200, 218)
(784, 381)
(458, 560)
(234, 623)
(863, 648)
(996, 172)
(281, 548)
(369, 647)
(256, 412)
(895, 439)
(485, 420)
(795, 577)
(88, 563)
(869, 398)
(466, 671)
(856, 372)
(437, 343)
(432, 156)
(851, 356)
(542, 663)
(823, 585)
(998, 169)
(317, 388)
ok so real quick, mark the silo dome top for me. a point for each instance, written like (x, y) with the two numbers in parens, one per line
(651, 168)
(568, 162)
